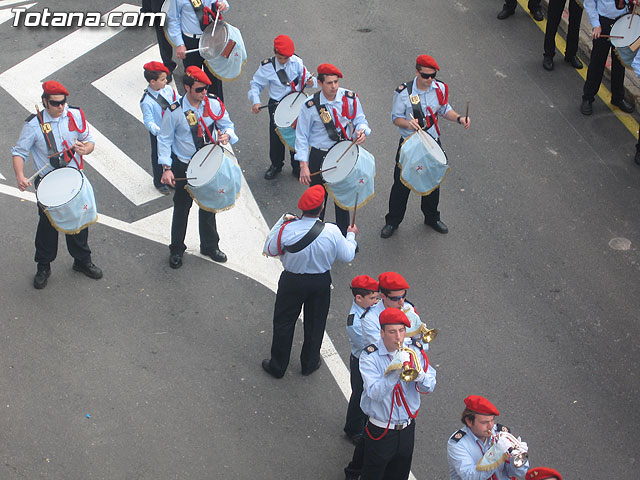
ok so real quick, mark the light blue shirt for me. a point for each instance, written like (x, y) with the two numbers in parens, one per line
(266, 76)
(181, 17)
(152, 112)
(175, 133)
(377, 396)
(402, 107)
(311, 132)
(32, 140)
(317, 257)
(464, 454)
(354, 328)
(601, 8)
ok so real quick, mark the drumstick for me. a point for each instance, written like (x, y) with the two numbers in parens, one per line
(355, 209)
(196, 49)
(467, 114)
(61, 152)
(633, 13)
(353, 142)
(185, 178)
(265, 106)
(611, 36)
(215, 23)
(30, 179)
(207, 156)
(321, 171)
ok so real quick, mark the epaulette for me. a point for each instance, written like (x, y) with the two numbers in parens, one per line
(458, 435)
(416, 343)
(212, 96)
(371, 348)
(75, 108)
(502, 428)
(401, 87)
(407, 301)
(174, 105)
(350, 320)
(266, 61)
(309, 103)
(143, 95)
(30, 117)
(349, 94)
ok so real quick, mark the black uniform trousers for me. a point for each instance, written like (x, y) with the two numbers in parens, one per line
(511, 4)
(354, 469)
(599, 54)
(390, 457)
(295, 290)
(47, 241)
(182, 202)
(554, 15)
(354, 424)
(400, 194)
(316, 157)
(156, 168)
(194, 59)
(166, 50)
(276, 147)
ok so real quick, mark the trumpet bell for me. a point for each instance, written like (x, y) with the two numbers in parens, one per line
(428, 334)
(408, 374)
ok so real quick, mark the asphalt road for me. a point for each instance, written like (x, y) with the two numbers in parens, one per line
(534, 290)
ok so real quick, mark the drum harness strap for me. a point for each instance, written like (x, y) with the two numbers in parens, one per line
(67, 154)
(304, 242)
(432, 119)
(203, 13)
(196, 124)
(335, 134)
(160, 100)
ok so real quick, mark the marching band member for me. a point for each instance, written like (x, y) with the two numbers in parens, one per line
(186, 21)
(391, 403)
(157, 98)
(196, 120)
(283, 73)
(332, 114)
(166, 49)
(543, 473)
(307, 248)
(417, 105)
(469, 444)
(57, 137)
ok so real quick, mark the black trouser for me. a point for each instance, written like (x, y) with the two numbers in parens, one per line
(511, 4)
(599, 54)
(554, 15)
(316, 157)
(390, 457)
(166, 50)
(295, 290)
(400, 194)
(181, 205)
(47, 241)
(194, 59)
(276, 147)
(354, 469)
(155, 167)
(354, 424)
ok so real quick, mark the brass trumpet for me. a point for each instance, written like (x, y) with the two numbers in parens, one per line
(408, 373)
(428, 334)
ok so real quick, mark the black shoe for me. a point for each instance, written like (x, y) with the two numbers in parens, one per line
(637, 158)
(164, 189)
(266, 366)
(537, 14)
(623, 105)
(506, 12)
(438, 226)
(169, 77)
(574, 62)
(312, 369)
(586, 108)
(40, 280)
(175, 260)
(387, 231)
(215, 254)
(89, 269)
(271, 172)
(547, 63)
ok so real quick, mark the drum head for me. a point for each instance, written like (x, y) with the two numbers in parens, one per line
(212, 45)
(344, 162)
(204, 165)
(288, 109)
(433, 148)
(621, 29)
(59, 186)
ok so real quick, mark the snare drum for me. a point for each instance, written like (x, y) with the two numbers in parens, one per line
(223, 52)
(215, 178)
(628, 45)
(349, 170)
(67, 198)
(286, 116)
(423, 163)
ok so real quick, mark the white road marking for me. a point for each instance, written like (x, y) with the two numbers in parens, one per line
(108, 160)
(6, 13)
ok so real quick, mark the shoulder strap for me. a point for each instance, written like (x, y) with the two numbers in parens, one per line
(282, 75)
(350, 319)
(416, 105)
(458, 435)
(194, 126)
(309, 237)
(266, 61)
(370, 349)
(502, 428)
(327, 119)
(50, 141)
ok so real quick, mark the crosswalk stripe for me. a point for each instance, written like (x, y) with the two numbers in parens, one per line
(111, 162)
(7, 14)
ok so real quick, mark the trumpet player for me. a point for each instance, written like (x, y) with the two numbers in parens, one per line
(394, 378)
(468, 446)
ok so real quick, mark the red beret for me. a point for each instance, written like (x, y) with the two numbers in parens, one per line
(540, 473)
(480, 405)
(427, 61)
(392, 281)
(198, 75)
(156, 67)
(284, 45)
(365, 282)
(52, 87)
(312, 198)
(329, 69)
(393, 316)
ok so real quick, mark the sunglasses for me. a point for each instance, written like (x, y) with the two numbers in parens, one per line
(398, 298)
(200, 89)
(427, 76)
(55, 103)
